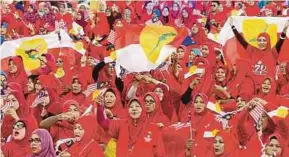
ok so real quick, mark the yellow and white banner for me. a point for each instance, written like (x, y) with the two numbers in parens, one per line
(30, 48)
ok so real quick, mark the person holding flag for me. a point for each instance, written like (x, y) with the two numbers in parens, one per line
(264, 58)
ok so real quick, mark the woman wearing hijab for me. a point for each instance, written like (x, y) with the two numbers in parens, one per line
(154, 110)
(166, 104)
(225, 145)
(276, 146)
(104, 72)
(14, 109)
(85, 145)
(16, 72)
(112, 103)
(46, 104)
(47, 65)
(41, 144)
(30, 14)
(80, 19)
(61, 125)
(155, 19)
(19, 143)
(187, 18)
(166, 17)
(198, 34)
(78, 85)
(135, 136)
(263, 58)
(45, 16)
(201, 120)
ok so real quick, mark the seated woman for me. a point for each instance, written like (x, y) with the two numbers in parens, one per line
(14, 109)
(61, 125)
(154, 111)
(19, 144)
(85, 145)
(136, 137)
(41, 144)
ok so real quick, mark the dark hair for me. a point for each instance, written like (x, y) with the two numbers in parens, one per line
(216, 2)
(33, 77)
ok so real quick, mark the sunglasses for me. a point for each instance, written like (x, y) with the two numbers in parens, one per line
(35, 140)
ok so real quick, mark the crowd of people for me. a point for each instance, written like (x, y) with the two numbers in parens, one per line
(80, 108)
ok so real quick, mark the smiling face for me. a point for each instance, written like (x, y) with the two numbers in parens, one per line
(13, 101)
(199, 104)
(78, 131)
(266, 86)
(150, 104)
(135, 110)
(35, 144)
(12, 67)
(109, 99)
(219, 146)
(240, 102)
(220, 75)
(262, 43)
(19, 131)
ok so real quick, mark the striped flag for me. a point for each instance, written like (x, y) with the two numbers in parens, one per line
(111, 37)
(257, 112)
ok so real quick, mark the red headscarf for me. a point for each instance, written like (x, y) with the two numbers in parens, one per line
(82, 21)
(22, 111)
(157, 116)
(200, 37)
(226, 70)
(131, 131)
(20, 76)
(53, 107)
(230, 145)
(190, 20)
(15, 86)
(64, 129)
(22, 147)
(87, 144)
(282, 143)
(117, 110)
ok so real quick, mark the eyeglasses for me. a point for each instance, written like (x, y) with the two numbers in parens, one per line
(149, 101)
(35, 140)
(18, 126)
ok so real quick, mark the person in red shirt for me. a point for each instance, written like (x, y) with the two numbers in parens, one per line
(263, 58)
(136, 136)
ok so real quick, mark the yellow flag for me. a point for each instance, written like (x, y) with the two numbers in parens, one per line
(110, 150)
(282, 112)
(153, 38)
(253, 27)
(30, 50)
(193, 69)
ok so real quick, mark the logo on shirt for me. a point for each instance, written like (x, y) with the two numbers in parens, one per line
(260, 68)
(148, 137)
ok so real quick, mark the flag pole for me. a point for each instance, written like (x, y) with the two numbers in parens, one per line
(190, 122)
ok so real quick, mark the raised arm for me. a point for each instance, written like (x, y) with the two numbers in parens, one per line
(102, 121)
(280, 42)
(240, 38)
(186, 97)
